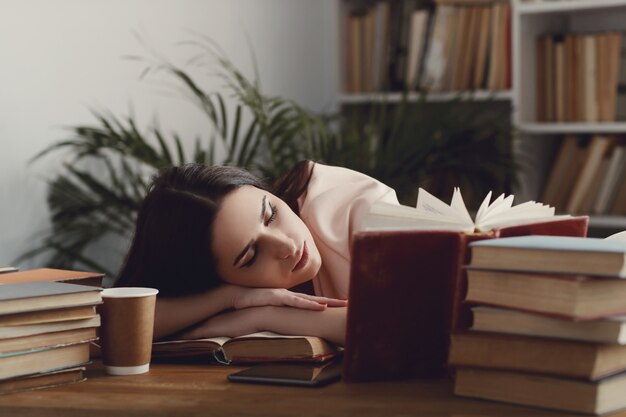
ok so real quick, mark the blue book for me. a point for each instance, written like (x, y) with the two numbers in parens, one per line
(553, 254)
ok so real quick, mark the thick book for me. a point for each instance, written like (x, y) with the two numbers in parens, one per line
(8, 332)
(500, 320)
(48, 340)
(255, 347)
(49, 274)
(576, 297)
(48, 316)
(543, 391)
(550, 356)
(35, 296)
(557, 254)
(419, 271)
(43, 380)
(44, 360)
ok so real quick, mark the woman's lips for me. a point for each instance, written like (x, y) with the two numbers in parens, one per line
(304, 258)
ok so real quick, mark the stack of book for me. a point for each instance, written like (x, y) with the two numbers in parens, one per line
(457, 45)
(579, 77)
(547, 329)
(45, 330)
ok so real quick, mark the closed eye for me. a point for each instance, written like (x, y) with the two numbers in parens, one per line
(274, 211)
(250, 261)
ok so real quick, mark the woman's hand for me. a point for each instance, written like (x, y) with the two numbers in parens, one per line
(245, 297)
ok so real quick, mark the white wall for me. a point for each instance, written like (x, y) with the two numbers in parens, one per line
(58, 58)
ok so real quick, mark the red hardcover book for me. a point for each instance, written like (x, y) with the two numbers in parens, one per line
(406, 296)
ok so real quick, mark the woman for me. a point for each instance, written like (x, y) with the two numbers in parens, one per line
(223, 250)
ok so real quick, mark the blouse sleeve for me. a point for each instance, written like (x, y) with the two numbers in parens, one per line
(332, 208)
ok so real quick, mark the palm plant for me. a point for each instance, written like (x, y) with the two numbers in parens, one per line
(101, 187)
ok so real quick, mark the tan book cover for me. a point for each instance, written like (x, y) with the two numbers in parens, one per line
(49, 274)
(559, 79)
(543, 391)
(574, 86)
(582, 90)
(550, 105)
(568, 87)
(567, 358)
(451, 46)
(480, 64)
(597, 150)
(494, 53)
(591, 98)
(45, 360)
(43, 380)
(473, 34)
(540, 78)
(562, 175)
(461, 52)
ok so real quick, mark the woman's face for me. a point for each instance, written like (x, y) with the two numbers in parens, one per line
(259, 241)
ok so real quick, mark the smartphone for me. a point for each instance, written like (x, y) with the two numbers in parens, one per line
(303, 375)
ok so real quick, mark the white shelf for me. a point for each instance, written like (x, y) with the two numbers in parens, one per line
(565, 6)
(565, 128)
(607, 222)
(479, 95)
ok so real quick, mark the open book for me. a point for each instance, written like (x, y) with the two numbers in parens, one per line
(432, 213)
(255, 347)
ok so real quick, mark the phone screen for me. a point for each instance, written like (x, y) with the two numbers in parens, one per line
(290, 374)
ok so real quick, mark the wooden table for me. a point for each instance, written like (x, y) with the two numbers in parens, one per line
(202, 390)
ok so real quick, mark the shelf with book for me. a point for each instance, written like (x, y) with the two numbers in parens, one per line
(396, 97)
(563, 53)
(430, 46)
(575, 128)
(569, 68)
(542, 7)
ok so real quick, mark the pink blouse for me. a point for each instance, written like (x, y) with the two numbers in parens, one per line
(332, 208)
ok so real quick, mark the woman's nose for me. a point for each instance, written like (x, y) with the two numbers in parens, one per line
(282, 245)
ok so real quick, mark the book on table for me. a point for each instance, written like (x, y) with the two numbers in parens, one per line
(559, 357)
(48, 316)
(49, 340)
(38, 296)
(49, 274)
(415, 256)
(30, 362)
(44, 380)
(501, 320)
(255, 347)
(595, 397)
(568, 295)
(559, 254)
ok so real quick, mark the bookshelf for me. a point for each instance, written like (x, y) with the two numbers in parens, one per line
(538, 138)
(535, 142)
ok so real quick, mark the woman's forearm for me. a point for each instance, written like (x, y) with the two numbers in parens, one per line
(329, 324)
(173, 314)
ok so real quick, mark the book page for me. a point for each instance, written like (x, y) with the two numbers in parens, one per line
(455, 213)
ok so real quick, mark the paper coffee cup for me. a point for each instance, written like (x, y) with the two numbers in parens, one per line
(127, 315)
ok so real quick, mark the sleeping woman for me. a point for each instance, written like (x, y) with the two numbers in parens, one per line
(224, 249)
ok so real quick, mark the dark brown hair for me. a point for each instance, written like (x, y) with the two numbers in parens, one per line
(171, 248)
